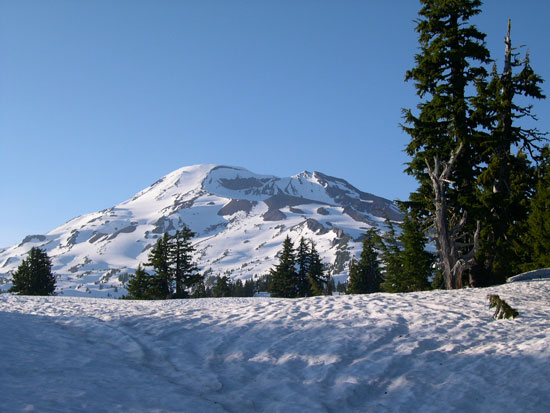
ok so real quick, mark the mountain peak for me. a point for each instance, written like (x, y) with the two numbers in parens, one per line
(240, 218)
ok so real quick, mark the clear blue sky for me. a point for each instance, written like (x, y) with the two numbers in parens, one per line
(100, 98)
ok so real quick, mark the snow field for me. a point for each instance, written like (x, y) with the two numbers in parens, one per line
(431, 352)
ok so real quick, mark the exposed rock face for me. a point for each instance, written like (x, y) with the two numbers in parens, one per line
(322, 211)
(240, 218)
(346, 194)
(243, 183)
(282, 200)
(163, 225)
(33, 238)
(236, 205)
(126, 230)
(316, 226)
(273, 215)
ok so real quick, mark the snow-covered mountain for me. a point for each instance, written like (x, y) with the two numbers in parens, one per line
(241, 219)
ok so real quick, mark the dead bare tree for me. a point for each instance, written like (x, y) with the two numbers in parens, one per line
(453, 260)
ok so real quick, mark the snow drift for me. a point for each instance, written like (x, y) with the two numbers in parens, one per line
(430, 351)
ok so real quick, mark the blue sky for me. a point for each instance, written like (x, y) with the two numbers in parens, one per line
(99, 99)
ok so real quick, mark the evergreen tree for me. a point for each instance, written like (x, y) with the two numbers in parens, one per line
(222, 288)
(451, 59)
(407, 263)
(161, 281)
(390, 256)
(303, 259)
(139, 285)
(316, 275)
(341, 287)
(364, 275)
(284, 279)
(249, 288)
(506, 181)
(201, 291)
(34, 275)
(182, 268)
(539, 218)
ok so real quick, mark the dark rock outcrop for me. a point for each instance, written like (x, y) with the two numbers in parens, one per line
(236, 205)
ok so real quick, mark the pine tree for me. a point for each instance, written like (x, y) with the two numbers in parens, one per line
(539, 219)
(284, 279)
(34, 275)
(316, 275)
(411, 262)
(506, 182)
(249, 288)
(139, 285)
(182, 268)
(200, 290)
(451, 59)
(303, 262)
(364, 275)
(390, 257)
(222, 288)
(161, 281)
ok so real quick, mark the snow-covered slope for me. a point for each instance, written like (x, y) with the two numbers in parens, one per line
(241, 219)
(436, 351)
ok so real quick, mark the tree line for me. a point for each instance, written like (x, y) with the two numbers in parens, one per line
(174, 274)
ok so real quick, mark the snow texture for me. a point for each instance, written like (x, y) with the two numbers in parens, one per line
(240, 218)
(437, 351)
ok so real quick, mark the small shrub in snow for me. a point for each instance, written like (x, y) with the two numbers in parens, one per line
(502, 309)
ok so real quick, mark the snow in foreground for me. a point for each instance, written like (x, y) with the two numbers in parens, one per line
(434, 351)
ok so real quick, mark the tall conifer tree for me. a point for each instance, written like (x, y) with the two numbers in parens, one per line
(161, 281)
(451, 58)
(181, 264)
(284, 278)
(507, 182)
(539, 218)
(364, 275)
(34, 275)
(317, 278)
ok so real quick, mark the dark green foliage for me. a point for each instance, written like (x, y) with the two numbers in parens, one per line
(407, 264)
(390, 257)
(539, 219)
(507, 183)
(182, 267)
(161, 283)
(450, 59)
(318, 280)
(309, 279)
(34, 275)
(502, 309)
(139, 285)
(303, 264)
(461, 105)
(222, 288)
(342, 287)
(175, 273)
(201, 291)
(364, 275)
(285, 281)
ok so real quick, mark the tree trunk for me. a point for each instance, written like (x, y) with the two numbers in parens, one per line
(452, 261)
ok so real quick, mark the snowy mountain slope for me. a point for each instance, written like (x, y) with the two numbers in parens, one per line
(435, 351)
(241, 219)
